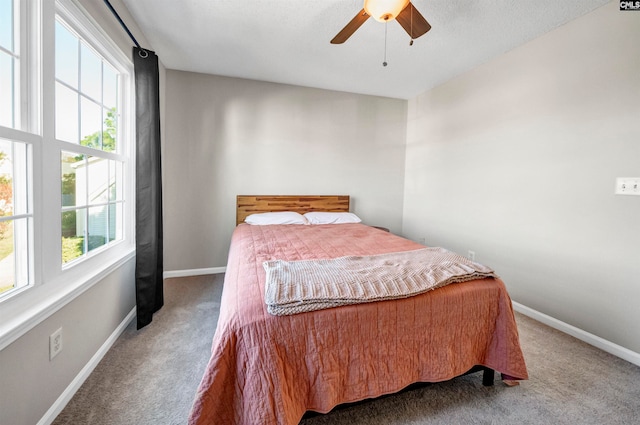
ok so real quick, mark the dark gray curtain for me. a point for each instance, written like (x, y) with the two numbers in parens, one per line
(149, 267)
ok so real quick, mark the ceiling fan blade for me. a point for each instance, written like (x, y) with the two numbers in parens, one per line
(350, 28)
(413, 22)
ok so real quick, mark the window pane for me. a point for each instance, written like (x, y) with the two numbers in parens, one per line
(14, 253)
(73, 232)
(7, 263)
(91, 123)
(66, 56)
(90, 74)
(98, 234)
(18, 162)
(115, 222)
(6, 178)
(109, 130)
(115, 181)
(6, 90)
(13, 179)
(110, 84)
(74, 179)
(98, 180)
(66, 114)
(6, 24)
(21, 231)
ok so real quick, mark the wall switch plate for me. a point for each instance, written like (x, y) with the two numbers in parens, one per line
(55, 343)
(628, 186)
(471, 255)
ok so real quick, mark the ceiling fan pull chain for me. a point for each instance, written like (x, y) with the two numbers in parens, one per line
(411, 35)
(385, 44)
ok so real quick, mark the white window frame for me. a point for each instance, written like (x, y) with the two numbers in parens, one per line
(25, 129)
(122, 149)
(53, 285)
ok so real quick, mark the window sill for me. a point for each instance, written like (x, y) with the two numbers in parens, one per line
(25, 310)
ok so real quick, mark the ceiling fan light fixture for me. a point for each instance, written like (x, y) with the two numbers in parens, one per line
(384, 10)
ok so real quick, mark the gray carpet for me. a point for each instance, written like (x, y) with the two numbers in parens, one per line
(150, 377)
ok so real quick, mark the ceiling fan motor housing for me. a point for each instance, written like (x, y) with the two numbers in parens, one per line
(384, 10)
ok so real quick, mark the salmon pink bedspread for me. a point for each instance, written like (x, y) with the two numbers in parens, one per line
(268, 369)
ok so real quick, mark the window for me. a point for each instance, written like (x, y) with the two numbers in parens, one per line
(65, 162)
(91, 203)
(86, 94)
(16, 216)
(86, 110)
(9, 63)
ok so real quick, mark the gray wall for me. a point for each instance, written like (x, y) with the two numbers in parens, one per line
(31, 383)
(228, 137)
(517, 161)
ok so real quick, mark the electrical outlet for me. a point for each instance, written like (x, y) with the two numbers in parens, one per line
(471, 255)
(628, 186)
(55, 343)
(422, 241)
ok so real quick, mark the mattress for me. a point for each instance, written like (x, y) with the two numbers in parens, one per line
(267, 369)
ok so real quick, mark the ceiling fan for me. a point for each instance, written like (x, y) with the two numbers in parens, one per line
(384, 11)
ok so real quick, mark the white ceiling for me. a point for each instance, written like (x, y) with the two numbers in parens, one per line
(287, 41)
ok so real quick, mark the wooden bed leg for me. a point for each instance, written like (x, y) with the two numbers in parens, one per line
(509, 380)
(487, 377)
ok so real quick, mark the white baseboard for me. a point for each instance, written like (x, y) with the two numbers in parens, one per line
(596, 341)
(77, 382)
(193, 272)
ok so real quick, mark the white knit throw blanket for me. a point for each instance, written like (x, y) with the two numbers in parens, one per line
(307, 285)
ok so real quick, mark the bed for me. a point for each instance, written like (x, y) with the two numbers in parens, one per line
(267, 369)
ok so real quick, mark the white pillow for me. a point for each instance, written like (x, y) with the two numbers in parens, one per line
(284, 217)
(331, 217)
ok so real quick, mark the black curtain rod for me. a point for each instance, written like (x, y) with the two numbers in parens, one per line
(124, 26)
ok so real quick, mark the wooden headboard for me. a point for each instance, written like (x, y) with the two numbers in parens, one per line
(251, 204)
